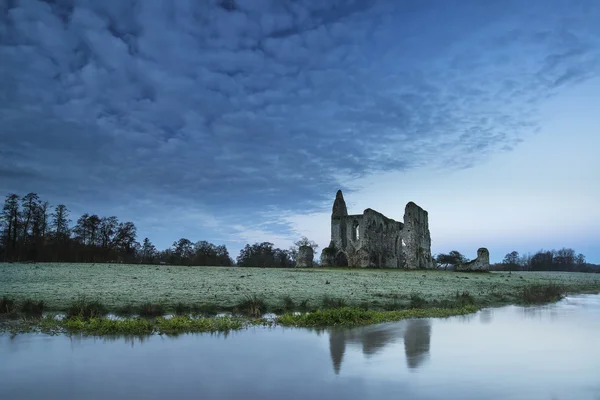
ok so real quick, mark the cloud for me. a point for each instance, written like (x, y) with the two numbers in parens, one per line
(264, 106)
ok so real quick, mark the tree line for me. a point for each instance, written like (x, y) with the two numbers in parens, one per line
(565, 259)
(32, 230)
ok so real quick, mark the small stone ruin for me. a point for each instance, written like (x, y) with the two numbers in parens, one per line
(305, 257)
(481, 263)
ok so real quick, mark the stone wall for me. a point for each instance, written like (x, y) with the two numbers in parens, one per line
(416, 237)
(481, 263)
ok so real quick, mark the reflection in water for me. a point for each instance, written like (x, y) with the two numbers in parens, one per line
(373, 339)
(337, 348)
(485, 316)
(557, 354)
(417, 337)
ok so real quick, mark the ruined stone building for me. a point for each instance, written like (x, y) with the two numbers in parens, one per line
(371, 239)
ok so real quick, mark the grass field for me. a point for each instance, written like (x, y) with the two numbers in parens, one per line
(118, 285)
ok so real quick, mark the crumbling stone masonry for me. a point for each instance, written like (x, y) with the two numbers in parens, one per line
(481, 263)
(373, 240)
(305, 257)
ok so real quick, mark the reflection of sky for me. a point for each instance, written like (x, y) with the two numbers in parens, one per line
(232, 125)
(512, 353)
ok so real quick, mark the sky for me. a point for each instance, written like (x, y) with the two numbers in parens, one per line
(236, 121)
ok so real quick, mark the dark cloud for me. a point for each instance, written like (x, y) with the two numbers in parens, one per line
(232, 108)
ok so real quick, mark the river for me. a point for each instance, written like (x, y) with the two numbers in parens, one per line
(547, 352)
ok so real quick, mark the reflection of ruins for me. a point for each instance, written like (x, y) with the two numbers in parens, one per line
(373, 339)
(371, 239)
(417, 337)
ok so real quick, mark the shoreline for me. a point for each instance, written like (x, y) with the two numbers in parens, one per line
(173, 325)
(182, 324)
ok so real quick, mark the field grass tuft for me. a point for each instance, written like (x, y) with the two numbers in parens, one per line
(151, 310)
(252, 306)
(32, 307)
(7, 305)
(84, 308)
(333, 302)
(541, 293)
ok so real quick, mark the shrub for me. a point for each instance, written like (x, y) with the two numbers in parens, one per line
(287, 304)
(464, 299)
(7, 305)
(125, 310)
(416, 301)
(32, 307)
(84, 308)
(252, 306)
(205, 309)
(303, 305)
(333, 302)
(151, 310)
(182, 309)
(541, 293)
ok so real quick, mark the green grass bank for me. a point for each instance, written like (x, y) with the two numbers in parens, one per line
(142, 295)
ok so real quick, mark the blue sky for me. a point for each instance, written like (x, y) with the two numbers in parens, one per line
(238, 124)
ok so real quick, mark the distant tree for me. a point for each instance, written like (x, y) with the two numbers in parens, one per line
(60, 222)
(148, 252)
(264, 255)
(283, 258)
(580, 259)
(525, 261)
(126, 239)
(543, 260)
(86, 229)
(107, 234)
(223, 257)
(304, 241)
(453, 259)
(183, 251)
(206, 253)
(564, 259)
(511, 261)
(11, 218)
(29, 204)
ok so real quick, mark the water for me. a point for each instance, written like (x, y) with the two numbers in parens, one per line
(550, 352)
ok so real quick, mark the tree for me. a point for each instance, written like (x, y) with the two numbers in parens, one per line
(580, 259)
(183, 251)
(11, 218)
(511, 261)
(304, 241)
(283, 258)
(60, 222)
(206, 253)
(543, 261)
(148, 252)
(525, 261)
(264, 255)
(29, 204)
(564, 259)
(108, 231)
(87, 228)
(125, 238)
(453, 259)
